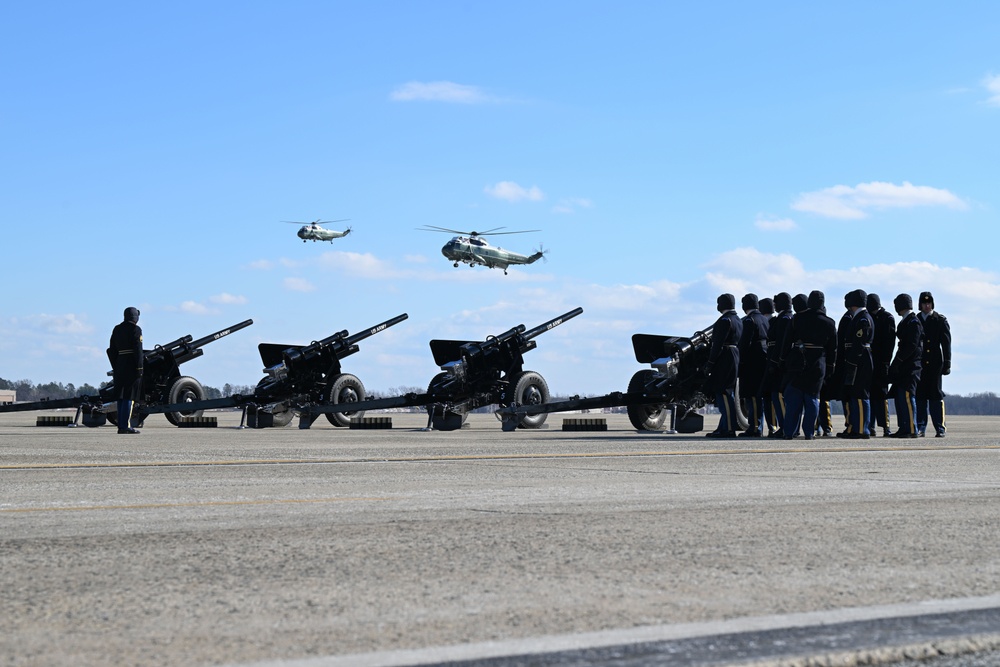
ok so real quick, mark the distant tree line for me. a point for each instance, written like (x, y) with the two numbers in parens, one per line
(27, 392)
(986, 403)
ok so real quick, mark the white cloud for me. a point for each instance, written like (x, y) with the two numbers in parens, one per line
(769, 223)
(439, 91)
(261, 265)
(298, 285)
(59, 324)
(195, 308)
(228, 299)
(630, 298)
(992, 85)
(853, 203)
(357, 264)
(567, 206)
(512, 192)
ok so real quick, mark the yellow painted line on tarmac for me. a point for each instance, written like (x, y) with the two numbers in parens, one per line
(498, 457)
(208, 503)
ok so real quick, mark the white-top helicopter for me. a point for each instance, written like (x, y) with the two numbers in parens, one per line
(470, 248)
(312, 231)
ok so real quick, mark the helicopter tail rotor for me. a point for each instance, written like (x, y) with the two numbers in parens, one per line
(538, 255)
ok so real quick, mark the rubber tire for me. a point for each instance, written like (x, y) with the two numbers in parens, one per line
(345, 388)
(185, 389)
(645, 417)
(530, 388)
(446, 421)
(282, 418)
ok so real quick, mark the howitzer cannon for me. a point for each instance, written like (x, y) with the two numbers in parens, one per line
(300, 376)
(475, 374)
(162, 385)
(675, 382)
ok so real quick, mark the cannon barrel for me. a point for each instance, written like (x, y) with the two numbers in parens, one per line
(344, 343)
(361, 335)
(551, 324)
(185, 349)
(201, 342)
(521, 333)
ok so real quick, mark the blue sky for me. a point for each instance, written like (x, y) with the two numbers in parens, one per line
(668, 152)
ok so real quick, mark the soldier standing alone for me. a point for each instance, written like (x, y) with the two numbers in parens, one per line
(935, 362)
(125, 353)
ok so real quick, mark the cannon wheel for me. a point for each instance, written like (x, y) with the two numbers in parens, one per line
(448, 420)
(345, 388)
(185, 389)
(645, 417)
(530, 388)
(281, 414)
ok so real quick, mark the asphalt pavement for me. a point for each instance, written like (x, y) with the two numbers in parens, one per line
(335, 546)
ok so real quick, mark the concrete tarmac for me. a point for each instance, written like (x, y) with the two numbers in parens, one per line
(375, 547)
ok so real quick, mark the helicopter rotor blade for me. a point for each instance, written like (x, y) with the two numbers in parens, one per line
(488, 232)
(314, 222)
(432, 228)
(522, 231)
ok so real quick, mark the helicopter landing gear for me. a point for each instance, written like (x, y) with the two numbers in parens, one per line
(455, 265)
(505, 271)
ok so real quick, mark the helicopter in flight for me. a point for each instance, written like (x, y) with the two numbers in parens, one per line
(470, 248)
(313, 231)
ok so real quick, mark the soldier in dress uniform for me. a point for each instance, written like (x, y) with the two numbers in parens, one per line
(753, 363)
(766, 307)
(809, 353)
(125, 353)
(883, 346)
(723, 365)
(904, 371)
(835, 389)
(935, 362)
(773, 385)
(857, 365)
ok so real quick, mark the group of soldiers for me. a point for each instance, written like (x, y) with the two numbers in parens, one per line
(791, 360)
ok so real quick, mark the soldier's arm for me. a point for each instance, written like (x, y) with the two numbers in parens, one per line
(945, 346)
(137, 347)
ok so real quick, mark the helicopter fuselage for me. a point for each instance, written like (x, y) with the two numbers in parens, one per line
(474, 251)
(317, 233)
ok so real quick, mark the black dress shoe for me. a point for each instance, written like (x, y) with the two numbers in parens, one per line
(127, 430)
(751, 433)
(939, 434)
(721, 434)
